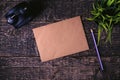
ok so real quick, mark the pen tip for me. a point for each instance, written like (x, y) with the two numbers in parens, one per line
(91, 30)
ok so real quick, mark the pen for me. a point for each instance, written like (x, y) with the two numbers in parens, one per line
(96, 48)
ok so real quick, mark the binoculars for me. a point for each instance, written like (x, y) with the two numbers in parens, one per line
(23, 13)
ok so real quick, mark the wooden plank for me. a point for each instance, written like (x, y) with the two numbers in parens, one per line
(19, 73)
(68, 61)
(45, 73)
(51, 73)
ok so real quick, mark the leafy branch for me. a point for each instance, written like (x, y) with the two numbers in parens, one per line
(106, 13)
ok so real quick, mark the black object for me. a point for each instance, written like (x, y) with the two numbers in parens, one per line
(105, 74)
(24, 12)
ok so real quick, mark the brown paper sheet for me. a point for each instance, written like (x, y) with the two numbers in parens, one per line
(60, 39)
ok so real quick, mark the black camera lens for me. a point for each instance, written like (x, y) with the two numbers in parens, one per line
(13, 19)
(23, 13)
(23, 10)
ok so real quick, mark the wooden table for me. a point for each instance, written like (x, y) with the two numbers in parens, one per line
(19, 58)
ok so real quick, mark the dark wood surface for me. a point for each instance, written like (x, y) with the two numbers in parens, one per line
(19, 58)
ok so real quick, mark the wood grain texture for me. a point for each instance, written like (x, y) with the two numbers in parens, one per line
(19, 58)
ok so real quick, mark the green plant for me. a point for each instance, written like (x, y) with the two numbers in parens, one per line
(106, 13)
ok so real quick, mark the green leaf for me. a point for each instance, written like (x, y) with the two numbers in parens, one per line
(100, 9)
(117, 20)
(109, 35)
(118, 14)
(110, 2)
(103, 26)
(108, 16)
(90, 19)
(93, 12)
(103, 18)
(94, 8)
(107, 24)
(100, 29)
(118, 2)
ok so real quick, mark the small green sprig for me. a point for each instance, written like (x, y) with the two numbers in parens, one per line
(106, 13)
